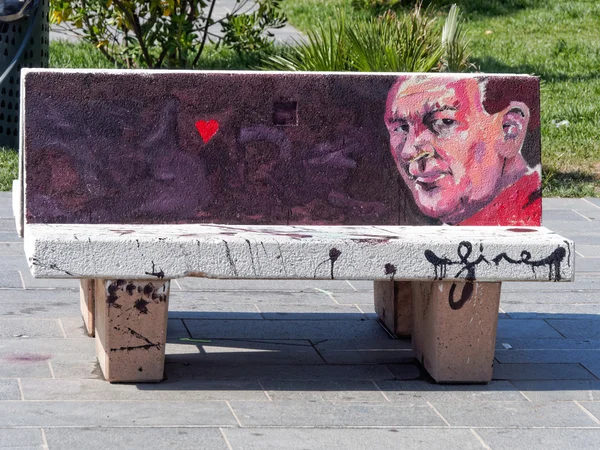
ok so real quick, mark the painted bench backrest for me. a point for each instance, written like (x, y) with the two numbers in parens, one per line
(280, 148)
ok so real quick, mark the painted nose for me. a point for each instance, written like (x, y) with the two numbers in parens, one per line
(417, 147)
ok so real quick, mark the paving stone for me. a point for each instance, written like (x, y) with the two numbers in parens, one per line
(289, 329)
(587, 264)
(20, 328)
(11, 278)
(203, 299)
(176, 329)
(583, 282)
(135, 438)
(23, 365)
(326, 390)
(410, 391)
(541, 372)
(593, 367)
(588, 251)
(112, 413)
(179, 309)
(547, 439)
(546, 356)
(183, 367)
(48, 283)
(99, 390)
(557, 391)
(329, 414)
(514, 414)
(218, 352)
(9, 390)
(38, 303)
(593, 407)
(7, 225)
(595, 201)
(563, 215)
(359, 298)
(8, 247)
(583, 238)
(576, 329)
(369, 351)
(344, 438)
(311, 312)
(553, 311)
(548, 344)
(527, 328)
(568, 298)
(74, 327)
(21, 439)
(361, 285)
(78, 369)
(405, 371)
(32, 358)
(12, 237)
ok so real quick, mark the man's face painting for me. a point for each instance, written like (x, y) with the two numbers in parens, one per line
(443, 142)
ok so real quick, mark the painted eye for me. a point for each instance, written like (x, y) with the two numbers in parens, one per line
(402, 127)
(443, 125)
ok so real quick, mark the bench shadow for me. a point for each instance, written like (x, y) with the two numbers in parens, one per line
(324, 360)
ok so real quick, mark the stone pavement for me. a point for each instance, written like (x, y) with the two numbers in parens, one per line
(290, 365)
(286, 34)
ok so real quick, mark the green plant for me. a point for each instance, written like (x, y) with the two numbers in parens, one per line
(325, 50)
(403, 42)
(166, 33)
(380, 6)
(392, 43)
(455, 45)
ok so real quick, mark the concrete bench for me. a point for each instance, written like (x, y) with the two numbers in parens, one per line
(132, 179)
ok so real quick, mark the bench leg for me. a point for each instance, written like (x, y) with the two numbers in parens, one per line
(86, 295)
(131, 329)
(454, 330)
(393, 305)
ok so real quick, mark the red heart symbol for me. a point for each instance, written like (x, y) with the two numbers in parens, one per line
(207, 129)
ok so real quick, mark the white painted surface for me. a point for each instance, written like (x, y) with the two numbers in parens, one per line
(17, 206)
(293, 252)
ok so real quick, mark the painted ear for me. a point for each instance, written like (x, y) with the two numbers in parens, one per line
(515, 119)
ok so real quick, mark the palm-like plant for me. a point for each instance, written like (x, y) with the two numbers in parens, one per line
(454, 43)
(410, 42)
(395, 44)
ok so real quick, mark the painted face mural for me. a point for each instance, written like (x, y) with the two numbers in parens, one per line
(297, 149)
(453, 155)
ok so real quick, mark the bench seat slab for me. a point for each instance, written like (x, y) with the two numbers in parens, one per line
(131, 329)
(295, 252)
(454, 329)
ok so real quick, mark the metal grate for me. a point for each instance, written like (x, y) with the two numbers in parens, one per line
(34, 55)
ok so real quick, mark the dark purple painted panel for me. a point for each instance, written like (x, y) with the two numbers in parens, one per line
(244, 148)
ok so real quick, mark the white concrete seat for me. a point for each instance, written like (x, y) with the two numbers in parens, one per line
(299, 252)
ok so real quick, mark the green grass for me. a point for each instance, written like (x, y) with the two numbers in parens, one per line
(9, 167)
(84, 55)
(558, 41)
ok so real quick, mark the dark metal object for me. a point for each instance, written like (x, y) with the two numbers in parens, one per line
(24, 31)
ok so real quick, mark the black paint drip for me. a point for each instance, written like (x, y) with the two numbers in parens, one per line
(334, 254)
(390, 269)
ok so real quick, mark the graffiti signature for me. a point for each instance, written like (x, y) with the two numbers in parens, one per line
(468, 268)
